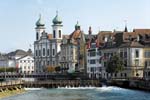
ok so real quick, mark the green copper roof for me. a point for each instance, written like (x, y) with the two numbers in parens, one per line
(57, 19)
(77, 24)
(40, 22)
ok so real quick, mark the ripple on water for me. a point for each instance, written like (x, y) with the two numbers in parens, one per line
(81, 93)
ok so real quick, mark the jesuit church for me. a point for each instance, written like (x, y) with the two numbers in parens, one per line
(47, 46)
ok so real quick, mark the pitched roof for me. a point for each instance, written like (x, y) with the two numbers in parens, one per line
(3, 57)
(75, 34)
(25, 56)
(141, 30)
(131, 44)
(17, 52)
(102, 34)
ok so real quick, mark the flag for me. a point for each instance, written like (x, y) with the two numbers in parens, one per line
(17, 65)
(97, 44)
(88, 45)
(102, 58)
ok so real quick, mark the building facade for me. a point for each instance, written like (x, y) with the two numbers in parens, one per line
(18, 59)
(93, 61)
(6, 61)
(47, 46)
(25, 64)
(132, 48)
(68, 54)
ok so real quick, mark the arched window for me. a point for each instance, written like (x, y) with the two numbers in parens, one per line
(39, 52)
(48, 52)
(54, 34)
(43, 51)
(36, 54)
(37, 36)
(53, 51)
(59, 33)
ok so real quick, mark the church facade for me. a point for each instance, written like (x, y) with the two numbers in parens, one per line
(47, 46)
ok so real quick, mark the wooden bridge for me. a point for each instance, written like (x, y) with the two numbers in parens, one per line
(49, 84)
(62, 83)
(48, 80)
(41, 75)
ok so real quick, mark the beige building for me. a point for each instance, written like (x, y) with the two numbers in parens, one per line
(146, 53)
(133, 49)
(68, 54)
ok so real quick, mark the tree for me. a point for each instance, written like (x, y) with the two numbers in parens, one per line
(57, 69)
(8, 69)
(50, 69)
(115, 64)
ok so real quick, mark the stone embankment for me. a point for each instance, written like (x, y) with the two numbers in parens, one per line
(10, 88)
(131, 84)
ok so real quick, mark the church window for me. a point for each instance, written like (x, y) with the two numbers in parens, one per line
(39, 52)
(36, 53)
(48, 52)
(43, 51)
(54, 34)
(53, 51)
(59, 33)
(37, 36)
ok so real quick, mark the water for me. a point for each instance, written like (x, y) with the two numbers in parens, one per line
(89, 93)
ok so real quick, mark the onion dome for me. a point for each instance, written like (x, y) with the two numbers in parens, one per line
(40, 22)
(77, 26)
(57, 19)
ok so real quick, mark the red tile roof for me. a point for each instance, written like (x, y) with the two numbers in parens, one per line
(141, 30)
(75, 34)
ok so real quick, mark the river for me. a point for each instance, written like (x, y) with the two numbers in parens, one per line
(90, 93)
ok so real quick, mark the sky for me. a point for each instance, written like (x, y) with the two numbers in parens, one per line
(18, 18)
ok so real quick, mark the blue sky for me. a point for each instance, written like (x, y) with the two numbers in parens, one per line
(18, 17)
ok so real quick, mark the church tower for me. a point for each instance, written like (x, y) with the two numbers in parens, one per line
(57, 27)
(57, 33)
(40, 27)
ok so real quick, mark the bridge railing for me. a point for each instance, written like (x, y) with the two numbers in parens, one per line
(11, 82)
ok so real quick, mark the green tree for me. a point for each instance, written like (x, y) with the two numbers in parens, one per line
(8, 69)
(57, 69)
(115, 64)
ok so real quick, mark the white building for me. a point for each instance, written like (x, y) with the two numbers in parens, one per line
(47, 46)
(25, 64)
(93, 60)
(132, 56)
(18, 59)
(5, 61)
(68, 55)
